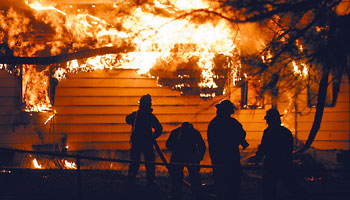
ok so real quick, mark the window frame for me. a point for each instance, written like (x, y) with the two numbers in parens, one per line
(246, 92)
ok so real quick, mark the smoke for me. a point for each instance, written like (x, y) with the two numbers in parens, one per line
(252, 38)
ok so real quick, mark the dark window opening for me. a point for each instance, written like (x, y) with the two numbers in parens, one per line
(251, 94)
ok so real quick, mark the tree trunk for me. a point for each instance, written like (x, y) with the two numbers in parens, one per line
(321, 101)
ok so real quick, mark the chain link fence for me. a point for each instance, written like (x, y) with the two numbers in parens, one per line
(87, 175)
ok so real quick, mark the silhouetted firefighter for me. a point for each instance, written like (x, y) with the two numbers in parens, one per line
(276, 149)
(145, 129)
(225, 134)
(187, 147)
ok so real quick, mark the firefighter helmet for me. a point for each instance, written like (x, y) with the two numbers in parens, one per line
(226, 106)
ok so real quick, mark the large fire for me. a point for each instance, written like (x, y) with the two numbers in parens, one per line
(164, 39)
(156, 37)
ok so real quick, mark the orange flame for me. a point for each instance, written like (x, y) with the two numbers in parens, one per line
(70, 165)
(298, 71)
(35, 89)
(155, 37)
(36, 164)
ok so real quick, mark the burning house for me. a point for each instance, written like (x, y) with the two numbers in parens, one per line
(72, 70)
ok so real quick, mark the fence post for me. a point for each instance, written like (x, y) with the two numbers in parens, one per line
(79, 178)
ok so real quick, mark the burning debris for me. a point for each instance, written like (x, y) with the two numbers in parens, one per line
(36, 164)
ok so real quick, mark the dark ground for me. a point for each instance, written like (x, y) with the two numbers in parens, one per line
(105, 180)
(111, 184)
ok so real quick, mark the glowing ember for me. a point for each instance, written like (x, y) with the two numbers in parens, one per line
(5, 67)
(36, 164)
(298, 71)
(70, 165)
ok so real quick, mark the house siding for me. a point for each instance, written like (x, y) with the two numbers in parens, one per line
(91, 108)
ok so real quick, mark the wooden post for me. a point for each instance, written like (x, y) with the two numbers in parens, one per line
(21, 86)
(296, 119)
(53, 133)
(79, 178)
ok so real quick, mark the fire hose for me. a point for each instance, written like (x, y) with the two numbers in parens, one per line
(162, 157)
(160, 153)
